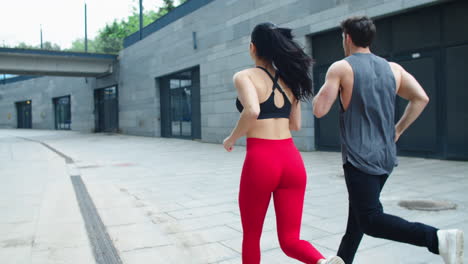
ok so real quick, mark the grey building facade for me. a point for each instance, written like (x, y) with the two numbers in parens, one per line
(177, 80)
(39, 93)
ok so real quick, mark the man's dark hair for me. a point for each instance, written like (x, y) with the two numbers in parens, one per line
(361, 29)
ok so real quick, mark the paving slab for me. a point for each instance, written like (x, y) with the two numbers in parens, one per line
(175, 201)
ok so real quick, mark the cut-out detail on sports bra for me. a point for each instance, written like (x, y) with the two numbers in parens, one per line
(268, 109)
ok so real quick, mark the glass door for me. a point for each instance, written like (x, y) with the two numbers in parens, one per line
(181, 106)
(24, 114)
(62, 113)
(106, 109)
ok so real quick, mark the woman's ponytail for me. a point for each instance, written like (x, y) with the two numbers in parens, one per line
(278, 46)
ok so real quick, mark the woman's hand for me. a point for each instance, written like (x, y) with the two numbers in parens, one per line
(229, 143)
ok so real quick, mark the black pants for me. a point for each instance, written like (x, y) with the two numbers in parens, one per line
(366, 216)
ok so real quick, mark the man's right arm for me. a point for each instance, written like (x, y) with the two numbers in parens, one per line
(409, 89)
(328, 93)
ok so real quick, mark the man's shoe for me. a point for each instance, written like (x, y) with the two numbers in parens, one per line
(451, 246)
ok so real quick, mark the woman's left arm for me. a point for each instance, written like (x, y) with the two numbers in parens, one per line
(249, 99)
(295, 116)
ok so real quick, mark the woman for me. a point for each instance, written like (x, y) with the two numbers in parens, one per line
(269, 102)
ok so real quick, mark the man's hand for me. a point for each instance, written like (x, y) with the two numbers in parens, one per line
(397, 135)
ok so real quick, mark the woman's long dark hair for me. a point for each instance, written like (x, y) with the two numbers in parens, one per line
(278, 46)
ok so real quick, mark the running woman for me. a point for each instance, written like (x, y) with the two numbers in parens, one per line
(269, 98)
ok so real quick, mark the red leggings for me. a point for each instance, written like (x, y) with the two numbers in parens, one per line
(273, 167)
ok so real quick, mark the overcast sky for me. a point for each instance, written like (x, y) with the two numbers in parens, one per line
(62, 20)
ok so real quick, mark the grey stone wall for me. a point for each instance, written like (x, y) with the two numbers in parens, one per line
(223, 34)
(41, 91)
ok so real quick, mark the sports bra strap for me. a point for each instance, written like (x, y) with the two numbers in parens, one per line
(274, 79)
(275, 82)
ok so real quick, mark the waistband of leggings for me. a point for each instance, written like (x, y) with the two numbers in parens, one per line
(269, 142)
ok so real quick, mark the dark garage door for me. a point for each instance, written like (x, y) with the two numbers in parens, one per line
(421, 136)
(327, 129)
(457, 102)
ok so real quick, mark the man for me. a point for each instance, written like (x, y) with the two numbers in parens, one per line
(367, 86)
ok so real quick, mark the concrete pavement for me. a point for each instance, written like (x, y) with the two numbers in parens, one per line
(175, 201)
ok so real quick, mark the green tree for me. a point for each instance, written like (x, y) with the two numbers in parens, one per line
(110, 38)
(23, 45)
(50, 46)
(46, 45)
(167, 7)
(79, 45)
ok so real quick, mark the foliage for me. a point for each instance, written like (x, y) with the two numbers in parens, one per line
(45, 45)
(110, 38)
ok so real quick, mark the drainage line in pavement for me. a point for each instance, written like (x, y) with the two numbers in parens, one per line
(103, 249)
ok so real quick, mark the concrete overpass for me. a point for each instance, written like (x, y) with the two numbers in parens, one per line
(55, 63)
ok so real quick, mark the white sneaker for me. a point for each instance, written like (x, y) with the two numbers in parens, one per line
(451, 246)
(332, 260)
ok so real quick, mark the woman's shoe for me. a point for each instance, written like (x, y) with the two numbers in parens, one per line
(332, 260)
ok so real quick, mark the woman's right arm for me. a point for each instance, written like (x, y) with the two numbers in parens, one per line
(248, 96)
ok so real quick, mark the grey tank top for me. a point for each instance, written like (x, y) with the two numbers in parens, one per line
(368, 125)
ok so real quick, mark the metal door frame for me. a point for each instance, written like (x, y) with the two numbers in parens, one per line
(97, 127)
(54, 103)
(170, 114)
(21, 104)
(165, 103)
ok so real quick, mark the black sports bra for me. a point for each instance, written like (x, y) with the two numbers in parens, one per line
(268, 109)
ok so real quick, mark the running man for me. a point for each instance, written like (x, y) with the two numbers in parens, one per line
(367, 86)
